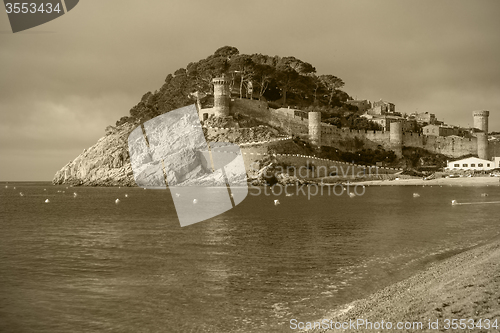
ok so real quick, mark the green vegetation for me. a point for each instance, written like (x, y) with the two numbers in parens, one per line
(344, 116)
(423, 160)
(281, 80)
(361, 156)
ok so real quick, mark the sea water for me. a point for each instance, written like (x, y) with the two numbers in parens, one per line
(86, 264)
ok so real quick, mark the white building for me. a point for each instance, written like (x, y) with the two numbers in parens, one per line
(497, 162)
(471, 163)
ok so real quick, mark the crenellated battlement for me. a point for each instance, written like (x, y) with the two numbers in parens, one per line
(308, 125)
(481, 113)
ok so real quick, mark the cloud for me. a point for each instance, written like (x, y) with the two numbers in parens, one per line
(54, 129)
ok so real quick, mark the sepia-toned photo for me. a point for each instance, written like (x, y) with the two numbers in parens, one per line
(250, 167)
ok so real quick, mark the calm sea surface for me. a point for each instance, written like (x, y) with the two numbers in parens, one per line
(85, 264)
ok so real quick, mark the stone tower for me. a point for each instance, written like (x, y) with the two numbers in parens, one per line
(481, 123)
(221, 96)
(482, 146)
(481, 120)
(315, 128)
(396, 137)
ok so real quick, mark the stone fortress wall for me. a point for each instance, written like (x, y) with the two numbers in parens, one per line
(308, 166)
(309, 126)
(333, 136)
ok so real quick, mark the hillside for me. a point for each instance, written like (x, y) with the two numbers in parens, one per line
(283, 80)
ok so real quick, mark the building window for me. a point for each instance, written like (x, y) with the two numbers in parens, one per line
(480, 165)
(457, 165)
(472, 165)
(488, 164)
(464, 165)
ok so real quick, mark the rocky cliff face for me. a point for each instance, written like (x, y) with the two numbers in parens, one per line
(106, 163)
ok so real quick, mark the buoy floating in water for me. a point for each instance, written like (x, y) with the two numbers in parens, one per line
(126, 195)
(117, 201)
(47, 200)
(276, 202)
(352, 195)
(14, 188)
(416, 195)
(195, 201)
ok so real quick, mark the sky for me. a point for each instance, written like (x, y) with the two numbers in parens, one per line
(63, 82)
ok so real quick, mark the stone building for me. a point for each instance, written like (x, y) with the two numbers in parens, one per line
(363, 105)
(385, 120)
(381, 108)
(440, 130)
(425, 118)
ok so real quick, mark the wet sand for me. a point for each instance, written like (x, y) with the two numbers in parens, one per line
(463, 181)
(464, 286)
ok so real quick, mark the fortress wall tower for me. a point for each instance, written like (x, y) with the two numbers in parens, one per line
(481, 120)
(315, 128)
(481, 123)
(221, 96)
(482, 146)
(396, 138)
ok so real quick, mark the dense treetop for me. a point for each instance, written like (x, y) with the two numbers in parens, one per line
(280, 80)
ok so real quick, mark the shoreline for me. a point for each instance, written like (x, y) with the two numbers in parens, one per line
(462, 181)
(462, 286)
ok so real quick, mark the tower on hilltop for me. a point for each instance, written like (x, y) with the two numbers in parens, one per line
(481, 120)
(221, 96)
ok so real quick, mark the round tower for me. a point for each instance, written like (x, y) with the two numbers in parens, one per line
(315, 128)
(482, 146)
(396, 137)
(481, 120)
(481, 123)
(221, 96)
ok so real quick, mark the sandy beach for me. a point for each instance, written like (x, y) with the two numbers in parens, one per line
(462, 181)
(464, 286)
